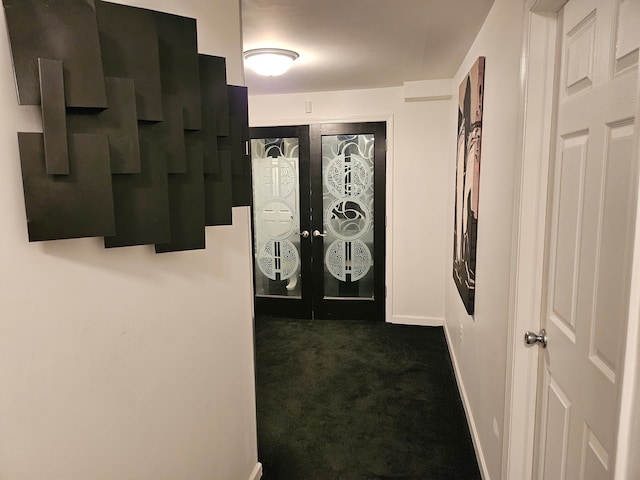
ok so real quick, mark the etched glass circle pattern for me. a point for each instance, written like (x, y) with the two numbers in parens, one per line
(348, 258)
(286, 174)
(347, 177)
(278, 257)
(278, 176)
(276, 219)
(348, 218)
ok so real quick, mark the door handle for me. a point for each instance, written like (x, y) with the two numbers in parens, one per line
(531, 338)
(316, 233)
(304, 234)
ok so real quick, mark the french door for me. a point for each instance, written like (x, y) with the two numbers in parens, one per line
(319, 220)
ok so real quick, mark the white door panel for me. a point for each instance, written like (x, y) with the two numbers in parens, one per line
(589, 239)
(557, 410)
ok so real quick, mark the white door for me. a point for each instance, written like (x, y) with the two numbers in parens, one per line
(589, 244)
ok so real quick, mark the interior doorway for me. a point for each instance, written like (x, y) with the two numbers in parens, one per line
(319, 220)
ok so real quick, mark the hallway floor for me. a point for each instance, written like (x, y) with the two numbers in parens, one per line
(358, 400)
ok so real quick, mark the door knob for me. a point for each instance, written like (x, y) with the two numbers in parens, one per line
(316, 233)
(304, 234)
(531, 338)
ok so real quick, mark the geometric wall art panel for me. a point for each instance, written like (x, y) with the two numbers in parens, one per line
(238, 145)
(186, 202)
(213, 84)
(231, 145)
(67, 206)
(118, 121)
(143, 141)
(215, 108)
(129, 45)
(141, 202)
(238, 115)
(64, 30)
(218, 194)
(168, 134)
(54, 121)
(210, 140)
(179, 64)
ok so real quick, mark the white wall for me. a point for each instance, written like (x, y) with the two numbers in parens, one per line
(417, 163)
(480, 354)
(120, 363)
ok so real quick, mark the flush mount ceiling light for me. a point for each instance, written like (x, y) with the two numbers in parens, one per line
(270, 62)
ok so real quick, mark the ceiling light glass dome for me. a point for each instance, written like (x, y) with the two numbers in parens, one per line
(270, 62)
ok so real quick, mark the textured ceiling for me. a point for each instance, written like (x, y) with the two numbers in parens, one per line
(353, 44)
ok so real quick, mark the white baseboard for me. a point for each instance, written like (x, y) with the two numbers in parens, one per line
(257, 472)
(467, 408)
(417, 320)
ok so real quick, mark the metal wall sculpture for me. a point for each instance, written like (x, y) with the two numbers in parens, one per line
(143, 141)
(467, 183)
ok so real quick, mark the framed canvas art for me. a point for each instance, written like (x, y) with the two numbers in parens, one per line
(470, 103)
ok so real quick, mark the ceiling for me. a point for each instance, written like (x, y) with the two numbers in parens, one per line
(354, 44)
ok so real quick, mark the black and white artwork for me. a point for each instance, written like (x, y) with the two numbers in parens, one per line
(470, 103)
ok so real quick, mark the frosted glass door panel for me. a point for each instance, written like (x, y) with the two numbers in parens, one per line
(347, 198)
(276, 197)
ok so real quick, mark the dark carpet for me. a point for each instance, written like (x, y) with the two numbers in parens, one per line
(358, 400)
